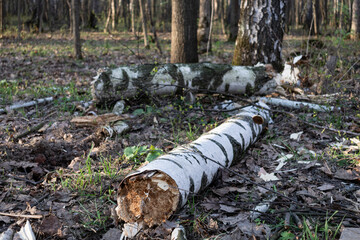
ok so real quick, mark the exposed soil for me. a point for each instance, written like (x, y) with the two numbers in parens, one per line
(46, 172)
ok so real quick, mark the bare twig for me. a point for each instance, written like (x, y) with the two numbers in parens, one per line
(21, 215)
(31, 130)
(24, 179)
(27, 104)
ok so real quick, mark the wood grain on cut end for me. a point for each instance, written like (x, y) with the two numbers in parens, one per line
(258, 119)
(149, 197)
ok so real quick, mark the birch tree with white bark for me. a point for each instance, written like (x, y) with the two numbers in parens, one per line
(260, 36)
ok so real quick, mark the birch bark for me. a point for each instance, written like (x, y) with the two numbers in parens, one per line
(124, 82)
(153, 193)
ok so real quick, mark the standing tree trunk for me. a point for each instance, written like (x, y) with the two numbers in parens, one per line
(315, 18)
(183, 31)
(85, 13)
(204, 25)
(143, 21)
(68, 2)
(151, 10)
(41, 9)
(260, 36)
(106, 29)
(1, 17)
(76, 30)
(113, 15)
(19, 18)
(297, 13)
(222, 16)
(132, 10)
(233, 19)
(355, 23)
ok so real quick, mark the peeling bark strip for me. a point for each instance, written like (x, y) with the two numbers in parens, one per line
(153, 193)
(123, 82)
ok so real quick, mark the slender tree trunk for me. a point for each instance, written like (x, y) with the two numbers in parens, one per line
(288, 8)
(297, 13)
(113, 14)
(51, 14)
(315, 19)
(260, 39)
(69, 3)
(153, 9)
(1, 17)
(183, 31)
(19, 18)
(76, 31)
(132, 9)
(41, 16)
(106, 29)
(233, 19)
(325, 10)
(204, 25)
(222, 17)
(143, 21)
(152, 24)
(355, 23)
(341, 18)
(84, 13)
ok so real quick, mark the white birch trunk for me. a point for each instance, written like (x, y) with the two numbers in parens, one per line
(297, 105)
(128, 81)
(152, 194)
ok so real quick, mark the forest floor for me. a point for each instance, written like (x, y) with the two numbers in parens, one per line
(70, 174)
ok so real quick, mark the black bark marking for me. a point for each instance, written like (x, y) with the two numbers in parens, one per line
(192, 185)
(170, 160)
(227, 86)
(124, 83)
(243, 142)
(195, 157)
(249, 120)
(211, 133)
(180, 199)
(196, 150)
(204, 181)
(222, 149)
(261, 77)
(237, 123)
(236, 146)
(177, 76)
(186, 157)
(180, 156)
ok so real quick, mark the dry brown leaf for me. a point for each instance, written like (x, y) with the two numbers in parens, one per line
(326, 187)
(346, 174)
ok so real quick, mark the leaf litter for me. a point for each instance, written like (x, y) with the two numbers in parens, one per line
(51, 173)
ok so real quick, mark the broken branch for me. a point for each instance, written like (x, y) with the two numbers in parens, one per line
(27, 104)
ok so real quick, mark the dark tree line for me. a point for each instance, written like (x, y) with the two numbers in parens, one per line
(190, 21)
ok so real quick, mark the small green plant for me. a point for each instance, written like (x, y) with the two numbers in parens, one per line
(192, 132)
(287, 235)
(138, 154)
(321, 231)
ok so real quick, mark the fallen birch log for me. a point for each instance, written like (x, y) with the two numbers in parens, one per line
(297, 105)
(154, 192)
(127, 81)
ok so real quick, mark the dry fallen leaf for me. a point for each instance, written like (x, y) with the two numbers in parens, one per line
(326, 187)
(346, 174)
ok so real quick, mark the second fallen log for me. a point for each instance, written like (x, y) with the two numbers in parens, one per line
(152, 194)
(128, 81)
